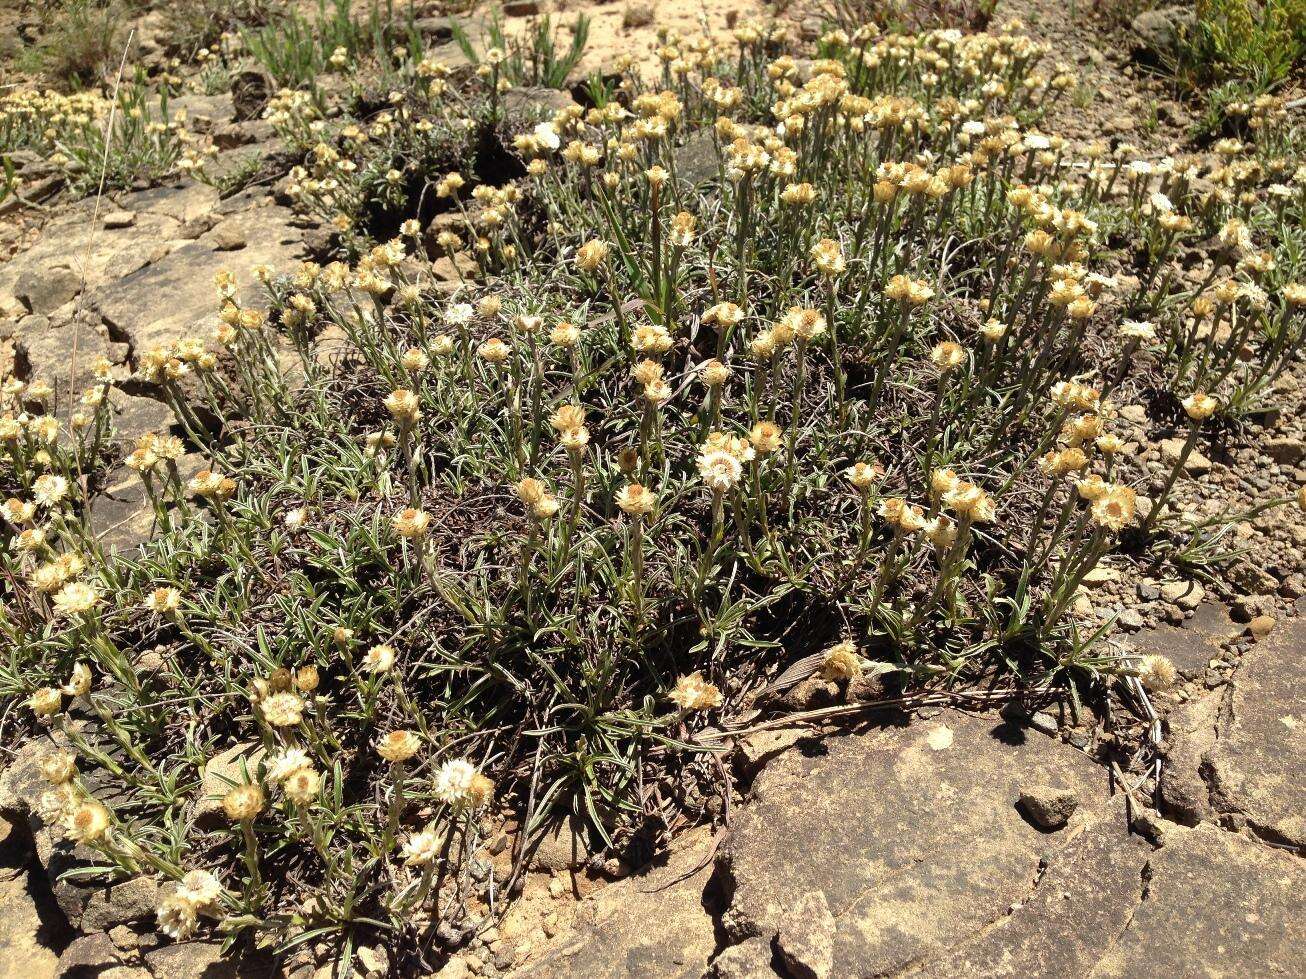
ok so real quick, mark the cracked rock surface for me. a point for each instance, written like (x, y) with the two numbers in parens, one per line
(1238, 755)
(905, 850)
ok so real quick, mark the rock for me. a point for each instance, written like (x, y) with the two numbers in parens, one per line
(204, 960)
(47, 349)
(1160, 34)
(250, 91)
(174, 298)
(29, 932)
(1195, 465)
(564, 847)
(227, 237)
(1216, 904)
(203, 113)
(131, 900)
(696, 161)
(1192, 646)
(1071, 916)
(749, 959)
(1251, 578)
(1288, 451)
(1262, 626)
(90, 955)
(119, 219)
(223, 771)
(1185, 594)
(524, 107)
(1049, 807)
(46, 290)
(1130, 619)
(455, 968)
(806, 938)
(935, 853)
(1256, 767)
(1100, 575)
(1134, 413)
(653, 923)
(521, 8)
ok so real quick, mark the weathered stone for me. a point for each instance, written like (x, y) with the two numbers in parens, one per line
(1195, 465)
(89, 955)
(937, 851)
(1048, 806)
(653, 923)
(133, 416)
(1185, 795)
(1262, 626)
(1286, 450)
(119, 218)
(1160, 33)
(204, 960)
(1071, 915)
(1251, 578)
(45, 290)
(221, 773)
(563, 847)
(696, 161)
(227, 237)
(806, 938)
(27, 937)
(750, 959)
(131, 900)
(524, 107)
(1192, 646)
(1257, 765)
(1185, 594)
(186, 277)
(203, 113)
(1217, 904)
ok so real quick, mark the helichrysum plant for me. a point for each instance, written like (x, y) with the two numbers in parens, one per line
(844, 407)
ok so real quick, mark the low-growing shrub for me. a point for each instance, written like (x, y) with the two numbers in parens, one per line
(1259, 42)
(784, 372)
(71, 131)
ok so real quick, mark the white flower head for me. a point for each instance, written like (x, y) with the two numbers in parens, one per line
(547, 136)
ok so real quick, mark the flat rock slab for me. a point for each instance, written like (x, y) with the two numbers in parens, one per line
(1192, 646)
(24, 938)
(1257, 765)
(912, 833)
(653, 923)
(1216, 904)
(175, 297)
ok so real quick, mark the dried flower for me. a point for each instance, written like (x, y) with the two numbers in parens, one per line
(283, 709)
(719, 469)
(1201, 406)
(693, 693)
(1114, 509)
(841, 662)
(243, 803)
(1157, 672)
(177, 917)
(398, 746)
(89, 822)
(403, 406)
(380, 658)
(411, 524)
(636, 500)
